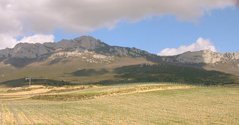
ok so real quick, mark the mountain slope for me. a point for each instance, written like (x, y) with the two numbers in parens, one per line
(88, 60)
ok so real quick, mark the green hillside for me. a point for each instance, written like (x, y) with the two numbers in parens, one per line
(128, 74)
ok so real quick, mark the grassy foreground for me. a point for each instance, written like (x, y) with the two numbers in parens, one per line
(121, 104)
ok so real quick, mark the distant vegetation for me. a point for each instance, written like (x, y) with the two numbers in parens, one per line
(89, 72)
(134, 73)
(171, 73)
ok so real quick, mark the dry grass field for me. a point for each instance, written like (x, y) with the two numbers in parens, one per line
(132, 104)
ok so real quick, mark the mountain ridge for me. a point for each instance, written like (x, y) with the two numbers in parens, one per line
(38, 52)
(24, 54)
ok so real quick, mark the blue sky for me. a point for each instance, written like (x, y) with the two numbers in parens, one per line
(154, 34)
(159, 26)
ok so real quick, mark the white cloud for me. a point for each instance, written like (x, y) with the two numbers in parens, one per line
(7, 41)
(38, 38)
(200, 44)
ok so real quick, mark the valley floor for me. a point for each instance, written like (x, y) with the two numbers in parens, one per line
(120, 104)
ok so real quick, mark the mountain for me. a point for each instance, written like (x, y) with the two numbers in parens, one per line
(25, 53)
(203, 57)
(86, 60)
(224, 62)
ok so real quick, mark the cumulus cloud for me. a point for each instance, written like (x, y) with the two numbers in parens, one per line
(8, 41)
(200, 44)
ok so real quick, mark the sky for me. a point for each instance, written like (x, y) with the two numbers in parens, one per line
(163, 27)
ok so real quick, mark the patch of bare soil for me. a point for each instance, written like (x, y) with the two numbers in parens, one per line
(111, 92)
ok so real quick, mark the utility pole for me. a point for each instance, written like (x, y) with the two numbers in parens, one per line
(30, 81)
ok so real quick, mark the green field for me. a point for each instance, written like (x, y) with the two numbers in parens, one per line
(138, 104)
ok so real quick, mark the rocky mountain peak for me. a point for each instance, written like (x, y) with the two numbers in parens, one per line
(81, 43)
(203, 57)
(89, 43)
